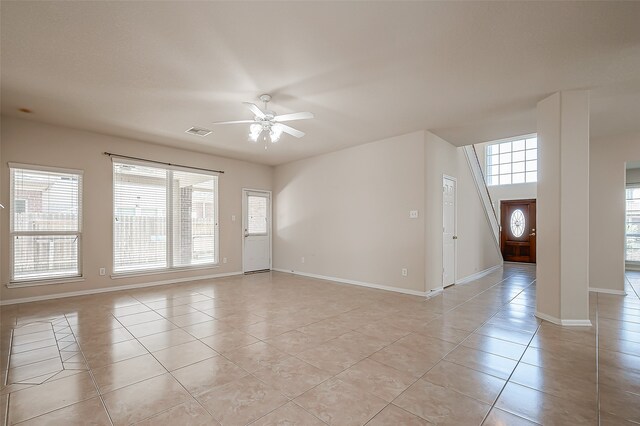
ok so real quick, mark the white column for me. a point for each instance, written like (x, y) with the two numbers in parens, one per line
(563, 208)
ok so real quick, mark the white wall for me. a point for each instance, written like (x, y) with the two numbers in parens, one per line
(347, 214)
(34, 143)
(607, 208)
(517, 191)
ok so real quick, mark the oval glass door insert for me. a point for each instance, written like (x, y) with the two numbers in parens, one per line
(517, 223)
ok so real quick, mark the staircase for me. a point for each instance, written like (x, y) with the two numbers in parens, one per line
(483, 191)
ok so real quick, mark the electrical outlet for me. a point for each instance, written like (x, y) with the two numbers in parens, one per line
(233, 218)
(405, 272)
(302, 259)
(103, 271)
(413, 214)
(224, 260)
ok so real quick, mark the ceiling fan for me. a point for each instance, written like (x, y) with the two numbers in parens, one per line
(268, 122)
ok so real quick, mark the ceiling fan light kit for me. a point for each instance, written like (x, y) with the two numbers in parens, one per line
(268, 123)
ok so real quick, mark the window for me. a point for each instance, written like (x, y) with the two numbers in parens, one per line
(46, 223)
(164, 217)
(257, 215)
(632, 243)
(512, 162)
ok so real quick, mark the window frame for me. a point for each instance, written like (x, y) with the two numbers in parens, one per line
(169, 221)
(488, 175)
(57, 279)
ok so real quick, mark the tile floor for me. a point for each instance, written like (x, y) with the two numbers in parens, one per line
(275, 348)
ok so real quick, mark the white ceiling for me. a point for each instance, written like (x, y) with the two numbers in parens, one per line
(470, 72)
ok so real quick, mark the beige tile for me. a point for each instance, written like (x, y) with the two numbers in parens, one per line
(89, 412)
(291, 376)
(441, 405)
(406, 359)
(188, 413)
(204, 375)
(144, 399)
(182, 355)
(495, 346)
(608, 419)
(289, 414)
(544, 408)
(440, 331)
(166, 339)
(294, 342)
(36, 355)
(498, 417)
(37, 400)
(31, 372)
(568, 386)
(472, 383)
(482, 361)
(128, 372)
(152, 327)
(139, 318)
(264, 330)
(330, 357)
(427, 344)
(625, 405)
(208, 328)
(175, 311)
(190, 319)
(109, 337)
(392, 415)
(378, 379)
(108, 354)
(241, 401)
(255, 356)
(359, 343)
(228, 341)
(338, 403)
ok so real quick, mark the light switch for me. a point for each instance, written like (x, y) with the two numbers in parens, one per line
(233, 218)
(413, 214)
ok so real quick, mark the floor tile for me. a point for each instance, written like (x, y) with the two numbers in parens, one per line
(543, 408)
(338, 403)
(204, 375)
(495, 346)
(482, 361)
(188, 413)
(255, 356)
(406, 359)
(144, 399)
(392, 415)
(182, 355)
(498, 417)
(378, 379)
(89, 412)
(291, 376)
(127, 372)
(108, 354)
(241, 401)
(166, 339)
(469, 382)
(228, 341)
(37, 400)
(289, 414)
(440, 405)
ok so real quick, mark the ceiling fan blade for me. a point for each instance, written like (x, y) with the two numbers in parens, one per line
(255, 110)
(291, 130)
(234, 122)
(293, 116)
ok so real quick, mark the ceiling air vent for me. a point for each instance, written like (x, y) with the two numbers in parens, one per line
(199, 131)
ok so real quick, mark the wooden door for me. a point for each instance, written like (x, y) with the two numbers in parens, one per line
(518, 230)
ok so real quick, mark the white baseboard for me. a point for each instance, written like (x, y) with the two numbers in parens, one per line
(608, 291)
(110, 289)
(568, 323)
(434, 292)
(353, 282)
(477, 275)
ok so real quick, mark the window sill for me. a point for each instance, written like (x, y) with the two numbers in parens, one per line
(132, 274)
(20, 284)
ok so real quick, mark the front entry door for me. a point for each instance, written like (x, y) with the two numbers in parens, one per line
(256, 223)
(518, 230)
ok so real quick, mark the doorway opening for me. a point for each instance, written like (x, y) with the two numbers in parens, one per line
(518, 230)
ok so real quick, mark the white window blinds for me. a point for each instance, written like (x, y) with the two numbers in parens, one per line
(46, 223)
(164, 217)
(632, 246)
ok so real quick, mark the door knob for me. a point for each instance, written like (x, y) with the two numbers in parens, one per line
(533, 234)
(455, 237)
(246, 233)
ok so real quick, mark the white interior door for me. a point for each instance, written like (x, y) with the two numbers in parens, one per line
(256, 224)
(448, 230)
